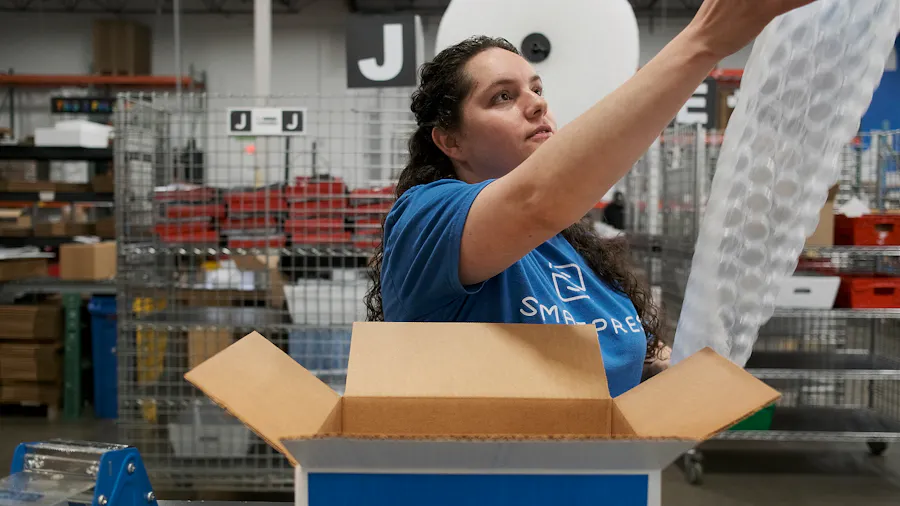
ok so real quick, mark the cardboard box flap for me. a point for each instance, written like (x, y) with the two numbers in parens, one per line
(448, 456)
(268, 391)
(694, 399)
(475, 360)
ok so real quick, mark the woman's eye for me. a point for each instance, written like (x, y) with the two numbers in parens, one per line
(503, 96)
(539, 91)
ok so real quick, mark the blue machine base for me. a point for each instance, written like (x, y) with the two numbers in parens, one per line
(327, 489)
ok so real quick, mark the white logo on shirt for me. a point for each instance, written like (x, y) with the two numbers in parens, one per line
(569, 283)
(570, 286)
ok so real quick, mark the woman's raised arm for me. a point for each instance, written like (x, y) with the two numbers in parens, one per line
(563, 180)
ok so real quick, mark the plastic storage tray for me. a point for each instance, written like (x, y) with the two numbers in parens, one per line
(869, 293)
(870, 230)
(808, 292)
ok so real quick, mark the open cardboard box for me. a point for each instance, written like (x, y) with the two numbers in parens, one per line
(465, 413)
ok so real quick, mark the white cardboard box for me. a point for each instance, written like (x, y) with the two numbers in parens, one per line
(53, 137)
(74, 133)
(808, 292)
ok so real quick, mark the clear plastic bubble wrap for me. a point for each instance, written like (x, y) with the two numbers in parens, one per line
(810, 78)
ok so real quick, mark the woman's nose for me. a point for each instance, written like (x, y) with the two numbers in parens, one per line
(537, 106)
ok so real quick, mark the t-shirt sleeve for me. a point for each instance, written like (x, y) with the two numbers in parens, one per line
(422, 237)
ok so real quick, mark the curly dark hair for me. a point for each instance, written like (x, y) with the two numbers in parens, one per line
(438, 103)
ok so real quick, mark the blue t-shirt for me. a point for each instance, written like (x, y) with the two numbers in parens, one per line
(551, 284)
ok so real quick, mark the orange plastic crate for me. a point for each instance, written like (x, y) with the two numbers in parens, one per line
(868, 293)
(869, 230)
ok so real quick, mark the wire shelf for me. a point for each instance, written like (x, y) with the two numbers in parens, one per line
(838, 370)
(216, 251)
(220, 235)
(823, 425)
(848, 314)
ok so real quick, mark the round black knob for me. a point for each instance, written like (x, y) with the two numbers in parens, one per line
(536, 47)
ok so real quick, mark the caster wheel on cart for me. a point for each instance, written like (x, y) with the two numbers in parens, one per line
(693, 467)
(877, 448)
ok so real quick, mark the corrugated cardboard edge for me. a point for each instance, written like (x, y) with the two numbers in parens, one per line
(274, 444)
(511, 438)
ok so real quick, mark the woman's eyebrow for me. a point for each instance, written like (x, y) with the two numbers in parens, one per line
(510, 80)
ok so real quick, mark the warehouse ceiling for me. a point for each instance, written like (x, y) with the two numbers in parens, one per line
(652, 9)
(643, 8)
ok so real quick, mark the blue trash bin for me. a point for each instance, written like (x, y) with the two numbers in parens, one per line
(103, 344)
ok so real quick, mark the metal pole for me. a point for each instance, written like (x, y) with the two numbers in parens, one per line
(176, 29)
(262, 63)
(262, 48)
(880, 175)
(176, 18)
(12, 109)
(287, 160)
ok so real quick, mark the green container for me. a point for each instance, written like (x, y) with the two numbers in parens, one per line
(761, 420)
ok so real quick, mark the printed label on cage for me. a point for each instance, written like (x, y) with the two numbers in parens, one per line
(266, 121)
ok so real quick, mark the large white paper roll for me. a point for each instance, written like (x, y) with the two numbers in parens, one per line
(593, 43)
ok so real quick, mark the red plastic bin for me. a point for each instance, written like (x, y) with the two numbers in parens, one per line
(318, 208)
(249, 223)
(322, 238)
(367, 242)
(177, 228)
(307, 189)
(313, 225)
(271, 201)
(367, 227)
(198, 237)
(277, 241)
(868, 293)
(869, 230)
(195, 211)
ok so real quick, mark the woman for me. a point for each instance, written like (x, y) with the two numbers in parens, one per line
(487, 226)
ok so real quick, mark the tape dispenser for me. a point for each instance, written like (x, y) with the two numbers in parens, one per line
(60, 472)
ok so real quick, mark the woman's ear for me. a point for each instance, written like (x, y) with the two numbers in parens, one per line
(446, 142)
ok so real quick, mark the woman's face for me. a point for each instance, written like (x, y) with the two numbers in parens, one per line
(504, 118)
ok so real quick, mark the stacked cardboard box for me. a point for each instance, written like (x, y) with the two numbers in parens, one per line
(30, 355)
(12, 269)
(18, 170)
(122, 48)
(87, 262)
(15, 222)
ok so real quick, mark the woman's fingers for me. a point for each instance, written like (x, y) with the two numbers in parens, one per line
(725, 26)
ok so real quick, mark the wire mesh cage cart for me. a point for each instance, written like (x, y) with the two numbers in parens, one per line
(222, 232)
(832, 346)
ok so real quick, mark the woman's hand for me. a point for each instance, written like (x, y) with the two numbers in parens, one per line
(723, 27)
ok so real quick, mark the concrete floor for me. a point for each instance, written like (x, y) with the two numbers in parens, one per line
(735, 474)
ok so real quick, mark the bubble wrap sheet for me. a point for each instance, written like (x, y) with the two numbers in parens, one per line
(809, 80)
